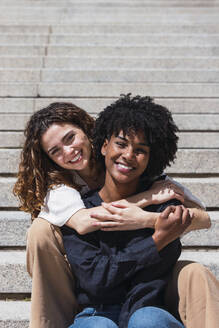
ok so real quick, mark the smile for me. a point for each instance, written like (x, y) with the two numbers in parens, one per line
(77, 157)
(124, 168)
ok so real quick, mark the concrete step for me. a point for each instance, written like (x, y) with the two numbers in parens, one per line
(190, 140)
(12, 264)
(189, 161)
(52, 18)
(204, 188)
(101, 89)
(112, 39)
(17, 50)
(14, 225)
(29, 62)
(102, 4)
(110, 75)
(118, 75)
(189, 28)
(94, 105)
(14, 314)
(108, 89)
(185, 122)
(119, 62)
(18, 90)
(13, 275)
(122, 50)
(131, 28)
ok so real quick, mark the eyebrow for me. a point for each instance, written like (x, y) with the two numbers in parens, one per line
(63, 140)
(140, 144)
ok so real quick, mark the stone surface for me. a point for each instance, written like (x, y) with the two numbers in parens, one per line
(129, 51)
(13, 228)
(13, 275)
(14, 314)
(73, 62)
(22, 62)
(18, 89)
(124, 75)
(114, 89)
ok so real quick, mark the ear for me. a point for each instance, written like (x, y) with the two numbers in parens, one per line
(104, 147)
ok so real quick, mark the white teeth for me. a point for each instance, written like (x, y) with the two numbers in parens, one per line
(76, 158)
(125, 166)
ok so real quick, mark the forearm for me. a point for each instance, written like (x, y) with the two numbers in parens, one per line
(82, 222)
(201, 220)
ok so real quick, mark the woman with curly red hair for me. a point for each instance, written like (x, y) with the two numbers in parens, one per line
(57, 164)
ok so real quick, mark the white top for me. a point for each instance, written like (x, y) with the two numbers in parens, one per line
(62, 202)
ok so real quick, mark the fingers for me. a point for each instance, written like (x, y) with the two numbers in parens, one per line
(186, 218)
(104, 217)
(120, 204)
(165, 214)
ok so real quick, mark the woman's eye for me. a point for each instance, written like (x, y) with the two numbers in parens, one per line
(141, 151)
(121, 144)
(70, 137)
(55, 152)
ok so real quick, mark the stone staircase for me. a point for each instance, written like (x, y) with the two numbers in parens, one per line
(89, 52)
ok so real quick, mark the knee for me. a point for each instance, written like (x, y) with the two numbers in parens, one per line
(94, 322)
(38, 234)
(153, 317)
(193, 272)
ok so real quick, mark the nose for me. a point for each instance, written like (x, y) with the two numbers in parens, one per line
(129, 154)
(67, 151)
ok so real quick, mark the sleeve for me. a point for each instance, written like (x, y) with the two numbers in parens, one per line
(97, 271)
(188, 193)
(60, 204)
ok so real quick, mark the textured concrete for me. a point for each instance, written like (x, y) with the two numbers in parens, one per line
(13, 275)
(114, 89)
(18, 90)
(13, 228)
(14, 314)
(23, 62)
(122, 75)
(128, 51)
(12, 50)
(95, 62)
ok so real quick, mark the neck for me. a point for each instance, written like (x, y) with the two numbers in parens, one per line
(113, 190)
(93, 177)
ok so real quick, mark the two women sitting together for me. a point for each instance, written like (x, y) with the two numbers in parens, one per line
(113, 259)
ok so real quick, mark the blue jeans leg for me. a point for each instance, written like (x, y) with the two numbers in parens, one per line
(153, 317)
(93, 318)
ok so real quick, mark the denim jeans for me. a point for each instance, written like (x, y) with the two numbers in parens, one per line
(107, 317)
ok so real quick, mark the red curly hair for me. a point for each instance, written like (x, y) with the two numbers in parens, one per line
(37, 172)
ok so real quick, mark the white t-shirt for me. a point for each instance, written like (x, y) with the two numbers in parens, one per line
(62, 202)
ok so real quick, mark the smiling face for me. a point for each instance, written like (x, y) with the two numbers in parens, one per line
(126, 158)
(68, 146)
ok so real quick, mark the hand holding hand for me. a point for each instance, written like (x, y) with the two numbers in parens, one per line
(172, 222)
(123, 215)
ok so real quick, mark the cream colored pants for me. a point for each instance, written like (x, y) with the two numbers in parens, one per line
(193, 291)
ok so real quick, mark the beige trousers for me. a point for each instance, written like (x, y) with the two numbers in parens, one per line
(193, 291)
